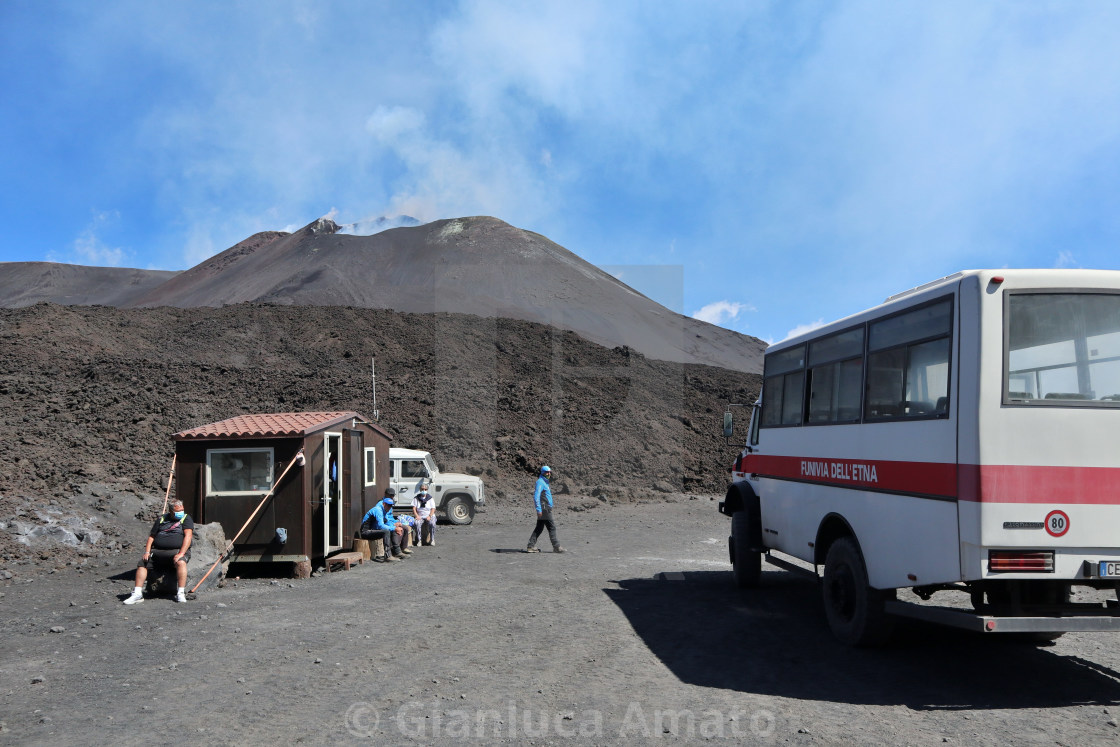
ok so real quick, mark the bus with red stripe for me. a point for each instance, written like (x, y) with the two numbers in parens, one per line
(960, 437)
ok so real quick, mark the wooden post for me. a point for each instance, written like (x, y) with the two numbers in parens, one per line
(170, 478)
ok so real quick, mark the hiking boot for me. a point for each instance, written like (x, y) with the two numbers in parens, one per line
(531, 549)
(181, 597)
(135, 598)
(378, 558)
(407, 550)
(400, 556)
(389, 559)
(558, 549)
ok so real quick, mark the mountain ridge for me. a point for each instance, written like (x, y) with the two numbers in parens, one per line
(476, 265)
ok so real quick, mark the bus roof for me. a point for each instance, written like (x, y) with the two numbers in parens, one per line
(1052, 278)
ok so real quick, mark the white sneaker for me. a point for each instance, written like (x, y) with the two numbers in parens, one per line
(135, 598)
(181, 596)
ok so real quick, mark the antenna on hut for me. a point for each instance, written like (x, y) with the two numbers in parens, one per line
(373, 373)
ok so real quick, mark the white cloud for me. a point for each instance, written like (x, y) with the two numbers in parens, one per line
(967, 116)
(445, 178)
(861, 147)
(1065, 259)
(556, 53)
(803, 328)
(376, 224)
(721, 312)
(390, 124)
(91, 250)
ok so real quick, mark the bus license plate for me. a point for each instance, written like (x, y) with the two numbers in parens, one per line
(1109, 569)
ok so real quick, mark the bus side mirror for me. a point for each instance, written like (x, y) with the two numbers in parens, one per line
(728, 424)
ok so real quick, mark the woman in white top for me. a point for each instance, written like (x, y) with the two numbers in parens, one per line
(424, 509)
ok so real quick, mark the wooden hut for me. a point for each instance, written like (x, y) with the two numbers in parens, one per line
(224, 469)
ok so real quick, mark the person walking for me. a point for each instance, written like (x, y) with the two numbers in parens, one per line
(542, 499)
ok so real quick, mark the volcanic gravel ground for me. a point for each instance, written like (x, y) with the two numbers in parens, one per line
(636, 635)
(89, 398)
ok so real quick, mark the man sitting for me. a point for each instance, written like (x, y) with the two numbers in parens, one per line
(379, 523)
(168, 546)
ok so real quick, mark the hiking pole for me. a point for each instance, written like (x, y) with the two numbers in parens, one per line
(170, 477)
(267, 495)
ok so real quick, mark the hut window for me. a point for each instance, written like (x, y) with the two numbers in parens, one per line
(371, 465)
(238, 471)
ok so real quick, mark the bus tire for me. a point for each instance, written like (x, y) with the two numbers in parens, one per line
(856, 612)
(745, 562)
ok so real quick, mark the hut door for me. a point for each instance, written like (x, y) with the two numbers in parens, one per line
(332, 492)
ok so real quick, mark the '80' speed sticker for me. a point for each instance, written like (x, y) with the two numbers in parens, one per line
(1057, 523)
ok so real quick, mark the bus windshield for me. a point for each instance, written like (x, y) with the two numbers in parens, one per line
(1062, 348)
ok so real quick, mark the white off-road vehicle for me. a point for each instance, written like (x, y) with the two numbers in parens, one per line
(455, 494)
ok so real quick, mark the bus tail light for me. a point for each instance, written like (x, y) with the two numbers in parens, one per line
(1021, 561)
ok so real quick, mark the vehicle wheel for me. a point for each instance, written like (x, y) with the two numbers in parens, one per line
(745, 563)
(460, 510)
(854, 610)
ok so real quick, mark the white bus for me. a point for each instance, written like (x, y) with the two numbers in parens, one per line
(963, 435)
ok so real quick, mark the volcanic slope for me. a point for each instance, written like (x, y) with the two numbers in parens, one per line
(27, 283)
(91, 395)
(481, 266)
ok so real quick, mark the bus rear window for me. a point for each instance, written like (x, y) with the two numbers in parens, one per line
(1062, 349)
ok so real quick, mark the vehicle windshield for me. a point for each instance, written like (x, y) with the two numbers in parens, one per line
(1063, 348)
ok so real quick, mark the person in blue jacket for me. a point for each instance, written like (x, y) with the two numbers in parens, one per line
(542, 499)
(379, 523)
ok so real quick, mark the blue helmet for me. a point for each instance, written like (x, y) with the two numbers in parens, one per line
(546, 469)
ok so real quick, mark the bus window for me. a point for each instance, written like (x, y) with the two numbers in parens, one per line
(907, 371)
(834, 383)
(927, 376)
(834, 392)
(791, 404)
(885, 384)
(783, 387)
(772, 392)
(1062, 348)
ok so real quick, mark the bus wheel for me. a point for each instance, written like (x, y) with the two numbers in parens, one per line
(747, 563)
(854, 610)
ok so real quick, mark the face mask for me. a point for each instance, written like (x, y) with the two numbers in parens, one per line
(180, 514)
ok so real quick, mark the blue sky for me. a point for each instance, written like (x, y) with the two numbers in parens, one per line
(764, 165)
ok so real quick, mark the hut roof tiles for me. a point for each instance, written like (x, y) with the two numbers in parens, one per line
(270, 425)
